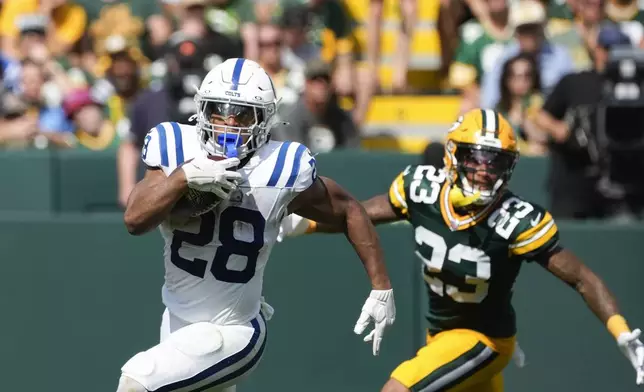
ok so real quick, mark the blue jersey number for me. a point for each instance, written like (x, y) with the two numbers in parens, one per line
(229, 245)
(314, 171)
(144, 151)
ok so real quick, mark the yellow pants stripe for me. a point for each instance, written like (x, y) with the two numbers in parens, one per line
(457, 361)
(452, 373)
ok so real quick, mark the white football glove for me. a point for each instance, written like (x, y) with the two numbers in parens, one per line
(381, 308)
(291, 226)
(206, 175)
(633, 349)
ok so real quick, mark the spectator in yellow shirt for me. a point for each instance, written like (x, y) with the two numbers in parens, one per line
(67, 22)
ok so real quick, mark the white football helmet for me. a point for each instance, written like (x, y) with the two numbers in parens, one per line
(236, 106)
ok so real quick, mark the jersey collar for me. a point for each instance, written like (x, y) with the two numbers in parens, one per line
(460, 222)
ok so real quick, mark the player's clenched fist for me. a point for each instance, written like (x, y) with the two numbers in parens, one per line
(380, 308)
(207, 175)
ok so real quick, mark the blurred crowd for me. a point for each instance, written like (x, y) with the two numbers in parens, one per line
(99, 74)
(512, 55)
(96, 74)
(545, 66)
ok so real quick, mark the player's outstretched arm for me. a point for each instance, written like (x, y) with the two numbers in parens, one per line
(152, 200)
(567, 267)
(384, 208)
(378, 209)
(328, 203)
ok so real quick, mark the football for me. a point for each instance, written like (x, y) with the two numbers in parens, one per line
(195, 202)
(216, 157)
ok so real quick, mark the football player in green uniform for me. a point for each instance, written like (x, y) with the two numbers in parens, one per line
(471, 234)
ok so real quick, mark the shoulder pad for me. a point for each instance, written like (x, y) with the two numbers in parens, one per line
(293, 167)
(528, 227)
(163, 146)
(417, 184)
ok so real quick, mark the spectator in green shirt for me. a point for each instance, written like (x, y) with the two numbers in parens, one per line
(330, 31)
(94, 128)
(330, 26)
(157, 27)
(235, 18)
(561, 9)
(481, 44)
(579, 36)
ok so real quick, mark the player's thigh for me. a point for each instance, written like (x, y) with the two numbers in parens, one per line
(452, 360)
(200, 356)
(493, 385)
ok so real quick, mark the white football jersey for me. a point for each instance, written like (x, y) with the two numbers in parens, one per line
(214, 264)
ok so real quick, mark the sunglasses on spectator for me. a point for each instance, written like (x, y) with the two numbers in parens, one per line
(270, 44)
(520, 75)
(532, 28)
(319, 78)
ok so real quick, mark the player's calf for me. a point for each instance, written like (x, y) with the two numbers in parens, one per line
(126, 384)
(394, 385)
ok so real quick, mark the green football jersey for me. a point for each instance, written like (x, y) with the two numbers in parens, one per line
(565, 33)
(559, 9)
(476, 54)
(470, 262)
(228, 17)
(330, 28)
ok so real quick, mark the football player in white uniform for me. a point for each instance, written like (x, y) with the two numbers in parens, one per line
(213, 330)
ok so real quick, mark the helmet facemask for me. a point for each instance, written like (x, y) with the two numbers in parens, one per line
(232, 129)
(480, 172)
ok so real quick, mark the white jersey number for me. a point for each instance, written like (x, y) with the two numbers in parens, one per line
(435, 178)
(229, 245)
(456, 254)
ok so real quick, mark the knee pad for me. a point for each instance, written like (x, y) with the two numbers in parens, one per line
(140, 365)
(197, 340)
(167, 362)
(127, 384)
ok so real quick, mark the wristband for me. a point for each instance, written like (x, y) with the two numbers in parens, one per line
(312, 227)
(616, 324)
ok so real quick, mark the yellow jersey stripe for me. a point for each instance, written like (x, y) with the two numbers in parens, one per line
(536, 241)
(397, 196)
(533, 230)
